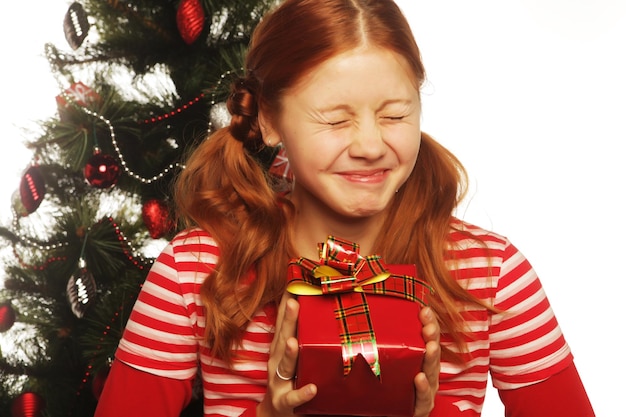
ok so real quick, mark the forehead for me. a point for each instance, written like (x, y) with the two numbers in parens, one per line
(360, 72)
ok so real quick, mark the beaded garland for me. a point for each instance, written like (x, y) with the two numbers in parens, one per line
(131, 253)
(120, 156)
(146, 180)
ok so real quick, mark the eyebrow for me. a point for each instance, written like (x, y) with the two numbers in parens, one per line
(404, 101)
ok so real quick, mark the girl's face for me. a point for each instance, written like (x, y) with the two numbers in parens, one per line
(351, 130)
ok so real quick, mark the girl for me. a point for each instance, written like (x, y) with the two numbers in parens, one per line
(337, 84)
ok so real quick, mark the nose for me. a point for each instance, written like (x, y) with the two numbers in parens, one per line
(367, 141)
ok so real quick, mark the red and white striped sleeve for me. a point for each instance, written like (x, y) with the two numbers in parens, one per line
(164, 330)
(526, 342)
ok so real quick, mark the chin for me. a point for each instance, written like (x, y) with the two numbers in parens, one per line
(361, 212)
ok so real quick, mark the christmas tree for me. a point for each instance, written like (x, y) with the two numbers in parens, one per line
(141, 83)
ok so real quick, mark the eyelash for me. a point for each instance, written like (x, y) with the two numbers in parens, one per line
(394, 118)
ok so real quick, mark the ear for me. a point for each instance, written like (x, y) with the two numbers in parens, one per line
(269, 133)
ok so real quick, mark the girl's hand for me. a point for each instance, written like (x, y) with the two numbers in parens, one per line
(281, 397)
(427, 381)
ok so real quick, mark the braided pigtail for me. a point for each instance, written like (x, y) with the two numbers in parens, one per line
(242, 105)
(225, 190)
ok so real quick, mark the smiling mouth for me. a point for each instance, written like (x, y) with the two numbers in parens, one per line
(365, 177)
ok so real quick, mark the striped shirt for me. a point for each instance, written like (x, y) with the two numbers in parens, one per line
(520, 346)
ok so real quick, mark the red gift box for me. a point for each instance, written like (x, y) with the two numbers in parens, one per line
(369, 378)
(80, 94)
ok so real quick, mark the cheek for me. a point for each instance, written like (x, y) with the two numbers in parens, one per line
(408, 150)
(416, 150)
(312, 147)
(407, 159)
(300, 156)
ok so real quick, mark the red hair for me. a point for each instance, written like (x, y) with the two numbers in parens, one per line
(224, 189)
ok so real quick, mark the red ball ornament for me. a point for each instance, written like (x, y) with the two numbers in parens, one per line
(28, 404)
(32, 189)
(7, 316)
(102, 171)
(156, 216)
(190, 20)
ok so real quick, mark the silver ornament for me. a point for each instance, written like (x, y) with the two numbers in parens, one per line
(81, 290)
(219, 116)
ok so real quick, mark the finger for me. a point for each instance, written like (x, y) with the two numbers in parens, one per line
(285, 370)
(287, 326)
(281, 307)
(432, 355)
(286, 367)
(425, 401)
(430, 325)
(300, 396)
(288, 399)
(432, 363)
(279, 340)
(284, 351)
(292, 307)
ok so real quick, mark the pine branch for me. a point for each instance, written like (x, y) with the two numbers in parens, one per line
(9, 235)
(143, 77)
(21, 369)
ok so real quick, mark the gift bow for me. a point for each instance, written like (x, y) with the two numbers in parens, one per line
(343, 272)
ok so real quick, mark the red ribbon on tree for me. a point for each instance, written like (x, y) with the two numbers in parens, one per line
(349, 276)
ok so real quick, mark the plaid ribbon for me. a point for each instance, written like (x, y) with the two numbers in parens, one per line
(348, 276)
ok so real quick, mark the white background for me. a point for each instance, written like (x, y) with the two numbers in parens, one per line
(529, 94)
